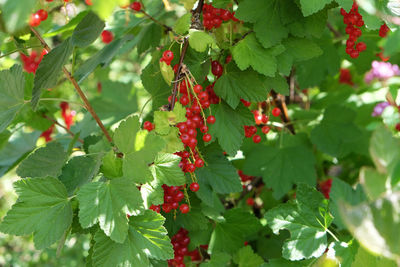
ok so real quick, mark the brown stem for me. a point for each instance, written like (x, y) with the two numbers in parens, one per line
(195, 24)
(62, 126)
(333, 30)
(178, 74)
(78, 89)
(279, 101)
(241, 38)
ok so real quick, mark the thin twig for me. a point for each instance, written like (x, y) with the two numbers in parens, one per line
(62, 126)
(279, 101)
(334, 31)
(78, 89)
(241, 38)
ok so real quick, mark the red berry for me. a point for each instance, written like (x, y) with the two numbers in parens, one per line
(245, 103)
(211, 119)
(148, 126)
(168, 55)
(256, 139)
(107, 36)
(383, 30)
(229, 57)
(276, 112)
(184, 100)
(35, 20)
(204, 129)
(398, 127)
(137, 6)
(265, 129)
(88, 2)
(184, 208)
(42, 14)
(194, 187)
(166, 208)
(250, 201)
(197, 88)
(361, 46)
(199, 163)
(354, 54)
(207, 137)
(216, 68)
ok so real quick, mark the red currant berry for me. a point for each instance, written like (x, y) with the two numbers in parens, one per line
(256, 138)
(398, 127)
(137, 6)
(184, 208)
(204, 129)
(250, 201)
(354, 54)
(166, 208)
(265, 129)
(168, 55)
(199, 163)
(107, 36)
(207, 137)
(197, 88)
(88, 2)
(42, 14)
(361, 46)
(216, 68)
(276, 112)
(211, 119)
(184, 100)
(194, 187)
(35, 20)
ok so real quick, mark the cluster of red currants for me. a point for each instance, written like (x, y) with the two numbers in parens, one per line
(31, 63)
(38, 17)
(172, 196)
(180, 242)
(213, 17)
(345, 77)
(67, 114)
(260, 119)
(383, 31)
(353, 19)
(325, 187)
(107, 36)
(148, 126)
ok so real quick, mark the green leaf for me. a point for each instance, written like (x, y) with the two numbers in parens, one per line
(302, 49)
(146, 238)
(230, 121)
(45, 161)
(174, 143)
(391, 46)
(269, 31)
(108, 203)
(306, 219)
(199, 40)
(104, 8)
(343, 252)
(149, 37)
(166, 169)
(12, 94)
(341, 191)
(217, 259)
(346, 4)
(167, 72)
(249, 52)
(139, 147)
(236, 84)
(163, 120)
(278, 83)
(87, 31)
(117, 100)
(218, 172)
(282, 167)
(376, 225)
(154, 84)
(384, 149)
(246, 257)
(68, 28)
(112, 165)
(42, 208)
(364, 258)
(16, 13)
(49, 69)
(182, 25)
(230, 235)
(309, 7)
(337, 134)
(152, 193)
(103, 57)
(373, 183)
(79, 171)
